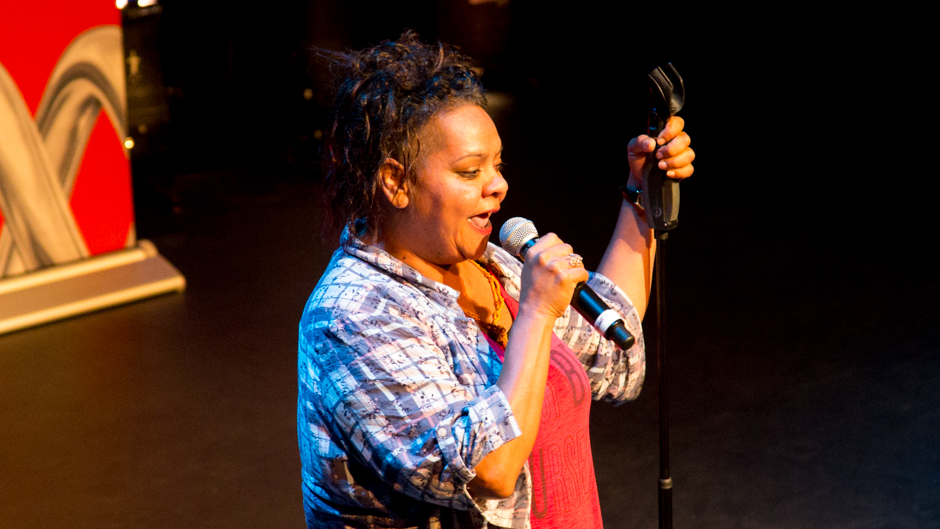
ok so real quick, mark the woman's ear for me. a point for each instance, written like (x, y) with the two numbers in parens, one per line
(393, 182)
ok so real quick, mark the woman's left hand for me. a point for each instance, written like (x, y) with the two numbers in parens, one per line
(675, 157)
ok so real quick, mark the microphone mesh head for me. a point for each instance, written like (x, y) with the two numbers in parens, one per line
(515, 233)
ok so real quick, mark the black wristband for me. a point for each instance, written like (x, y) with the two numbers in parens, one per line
(632, 195)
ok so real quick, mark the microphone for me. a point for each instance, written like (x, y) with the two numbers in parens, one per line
(518, 235)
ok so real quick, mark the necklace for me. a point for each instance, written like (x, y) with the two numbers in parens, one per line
(493, 329)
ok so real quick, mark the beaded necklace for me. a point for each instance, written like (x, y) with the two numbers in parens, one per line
(493, 329)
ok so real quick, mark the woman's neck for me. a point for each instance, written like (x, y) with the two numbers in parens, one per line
(432, 271)
(477, 297)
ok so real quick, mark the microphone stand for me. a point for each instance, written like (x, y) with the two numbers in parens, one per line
(661, 201)
(665, 480)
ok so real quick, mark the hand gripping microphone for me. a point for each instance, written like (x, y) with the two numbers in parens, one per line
(518, 235)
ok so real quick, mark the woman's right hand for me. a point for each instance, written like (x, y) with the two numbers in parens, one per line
(548, 277)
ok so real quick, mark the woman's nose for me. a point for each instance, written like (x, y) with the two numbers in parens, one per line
(497, 185)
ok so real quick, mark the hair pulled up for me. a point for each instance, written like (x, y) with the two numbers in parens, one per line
(387, 93)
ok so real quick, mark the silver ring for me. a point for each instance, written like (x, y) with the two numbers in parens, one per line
(574, 260)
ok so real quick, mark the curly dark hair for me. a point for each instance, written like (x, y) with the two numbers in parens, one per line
(387, 93)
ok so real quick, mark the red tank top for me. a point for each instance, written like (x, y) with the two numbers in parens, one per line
(564, 491)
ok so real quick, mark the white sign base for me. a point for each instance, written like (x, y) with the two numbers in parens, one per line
(94, 283)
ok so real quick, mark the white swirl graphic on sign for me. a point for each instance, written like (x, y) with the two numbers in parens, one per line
(40, 159)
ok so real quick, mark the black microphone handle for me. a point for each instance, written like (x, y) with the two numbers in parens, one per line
(591, 306)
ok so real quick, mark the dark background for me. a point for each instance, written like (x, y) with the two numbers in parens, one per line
(809, 124)
(803, 318)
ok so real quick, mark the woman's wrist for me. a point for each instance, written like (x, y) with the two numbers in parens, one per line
(634, 181)
(535, 317)
(633, 199)
(633, 196)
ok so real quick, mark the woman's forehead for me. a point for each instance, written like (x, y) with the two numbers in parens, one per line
(463, 131)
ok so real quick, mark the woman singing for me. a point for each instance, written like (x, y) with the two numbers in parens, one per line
(442, 383)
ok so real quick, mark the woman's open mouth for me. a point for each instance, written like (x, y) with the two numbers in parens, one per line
(482, 222)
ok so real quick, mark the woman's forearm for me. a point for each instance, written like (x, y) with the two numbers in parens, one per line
(628, 261)
(522, 380)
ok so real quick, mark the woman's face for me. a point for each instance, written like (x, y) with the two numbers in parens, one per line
(458, 186)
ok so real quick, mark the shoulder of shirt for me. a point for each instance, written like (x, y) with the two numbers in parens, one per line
(354, 289)
(348, 275)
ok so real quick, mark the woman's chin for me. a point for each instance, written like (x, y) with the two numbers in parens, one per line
(480, 249)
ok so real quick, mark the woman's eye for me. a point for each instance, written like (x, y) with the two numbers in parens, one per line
(473, 173)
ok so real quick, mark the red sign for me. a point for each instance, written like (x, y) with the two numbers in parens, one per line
(33, 37)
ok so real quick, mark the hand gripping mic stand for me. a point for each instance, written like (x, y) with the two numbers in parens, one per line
(661, 201)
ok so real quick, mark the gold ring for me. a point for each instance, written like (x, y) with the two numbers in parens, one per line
(574, 260)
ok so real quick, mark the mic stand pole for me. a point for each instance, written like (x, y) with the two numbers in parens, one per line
(665, 480)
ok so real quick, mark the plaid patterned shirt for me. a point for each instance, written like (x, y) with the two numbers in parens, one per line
(397, 399)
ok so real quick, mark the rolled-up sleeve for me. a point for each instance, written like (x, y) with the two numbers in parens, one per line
(616, 375)
(485, 424)
(389, 393)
